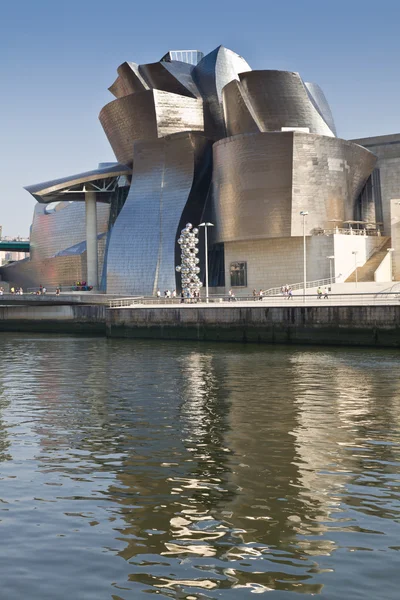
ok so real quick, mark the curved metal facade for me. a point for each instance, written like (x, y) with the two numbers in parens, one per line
(146, 116)
(275, 100)
(52, 234)
(65, 227)
(211, 75)
(262, 181)
(104, 179)
(174, 77)
(129, 81)
(170, 184)
(321, 104)
(163, 123)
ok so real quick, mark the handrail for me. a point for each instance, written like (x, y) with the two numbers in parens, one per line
(299, 286)
(299, 299)
(344, 231)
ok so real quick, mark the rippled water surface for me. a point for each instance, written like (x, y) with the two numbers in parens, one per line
(195, 471)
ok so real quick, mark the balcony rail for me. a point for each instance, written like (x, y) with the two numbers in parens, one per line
(347, 231)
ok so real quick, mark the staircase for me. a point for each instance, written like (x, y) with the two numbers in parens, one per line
(366, 272)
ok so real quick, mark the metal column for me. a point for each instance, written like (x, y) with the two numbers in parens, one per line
(91, 239)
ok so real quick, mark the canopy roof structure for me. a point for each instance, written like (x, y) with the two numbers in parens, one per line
(103, 181)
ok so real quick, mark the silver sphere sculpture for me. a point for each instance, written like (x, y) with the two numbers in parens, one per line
(188, 268)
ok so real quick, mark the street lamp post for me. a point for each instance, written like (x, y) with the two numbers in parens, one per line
(205, 225)
(355, 252)
(391, 250)
(304, 213)
(330, 266)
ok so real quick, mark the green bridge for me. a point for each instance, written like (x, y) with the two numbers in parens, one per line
(14, 246)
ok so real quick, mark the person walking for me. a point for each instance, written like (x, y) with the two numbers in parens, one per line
(255, 294)
(290, 293)
(326, 293)
(319, 293)
(260, 295)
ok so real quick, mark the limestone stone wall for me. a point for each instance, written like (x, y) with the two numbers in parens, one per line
(277, 262)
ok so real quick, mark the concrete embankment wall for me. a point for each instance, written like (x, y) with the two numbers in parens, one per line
(343, 325)
(54, 319)
(326, 325)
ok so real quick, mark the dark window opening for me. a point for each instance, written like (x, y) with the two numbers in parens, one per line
(238, 272)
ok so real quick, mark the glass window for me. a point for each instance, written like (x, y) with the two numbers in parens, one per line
(238, 272)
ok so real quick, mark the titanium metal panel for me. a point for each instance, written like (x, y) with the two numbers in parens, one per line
(129, 81)
(328, 176)
(321, 104)
(262, 181)
(211, 75)
(237, 113)
(175, 77)
(50, 235)
(148, 115)
(72, 187)
(170, 185)
(278, 99)
(176, 113)
(252, 186)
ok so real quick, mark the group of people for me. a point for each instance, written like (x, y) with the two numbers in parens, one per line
(190, 296)
(287, 292)
(167, 294)
(324, 293)
(18, 291)
(258, 295)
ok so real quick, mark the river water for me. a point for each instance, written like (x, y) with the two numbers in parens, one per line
(197, 471)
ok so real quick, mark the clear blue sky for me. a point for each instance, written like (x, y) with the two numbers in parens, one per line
(57, 59)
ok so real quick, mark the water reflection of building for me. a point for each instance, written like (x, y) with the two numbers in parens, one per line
(239, 454)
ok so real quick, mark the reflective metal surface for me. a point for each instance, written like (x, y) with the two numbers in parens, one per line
(174, 77)
(103, 180)
(211, 75)
(263, 174)
(170, 181)
(129, 80)
(275, 100)
(321, 104)
(53, 258)
(148, 115)
(262, 181)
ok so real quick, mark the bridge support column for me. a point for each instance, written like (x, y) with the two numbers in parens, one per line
(91, 240)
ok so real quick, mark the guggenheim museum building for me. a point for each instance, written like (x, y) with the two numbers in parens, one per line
(207, 139)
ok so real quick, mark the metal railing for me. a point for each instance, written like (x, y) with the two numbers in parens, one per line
(369, 298)
(345, 231)
(276, 291)
(127, 302)
(63, 288)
